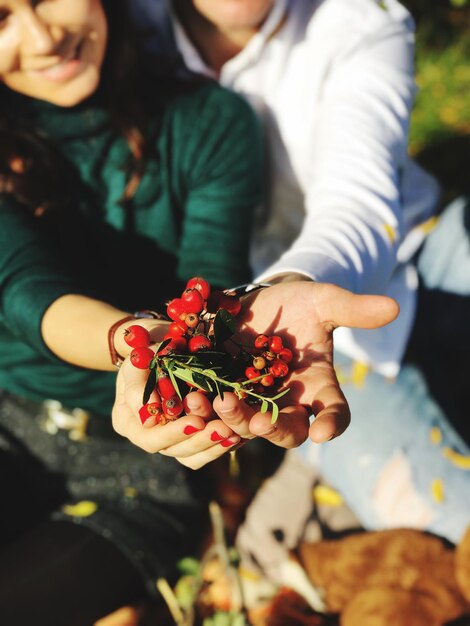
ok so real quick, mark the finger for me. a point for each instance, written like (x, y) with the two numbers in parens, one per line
(130, 384)
(203, 458)
(214, 435)
(235, 413)
(332, 414)
(318, 388)
(289, 430)
(196, 403)
(127, 423)
(345, 308)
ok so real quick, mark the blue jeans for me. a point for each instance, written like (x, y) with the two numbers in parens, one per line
(401, 463)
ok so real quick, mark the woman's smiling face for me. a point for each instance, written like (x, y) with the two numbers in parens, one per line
(52, 50)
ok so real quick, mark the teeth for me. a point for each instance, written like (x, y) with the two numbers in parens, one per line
(71, 55)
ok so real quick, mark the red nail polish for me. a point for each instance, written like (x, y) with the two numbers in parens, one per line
(215, 436)
(226, 443)
(190, 430)
(144, 414)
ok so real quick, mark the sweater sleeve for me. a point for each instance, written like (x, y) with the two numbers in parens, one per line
(354, 221)
(31, 276)
(222, 164)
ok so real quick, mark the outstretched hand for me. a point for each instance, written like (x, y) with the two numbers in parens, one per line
(305, 314)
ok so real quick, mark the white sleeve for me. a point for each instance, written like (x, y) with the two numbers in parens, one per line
(354, 223)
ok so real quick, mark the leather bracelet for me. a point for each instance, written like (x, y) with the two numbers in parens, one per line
(116, 358)
(242, 290)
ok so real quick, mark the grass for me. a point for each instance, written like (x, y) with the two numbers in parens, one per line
(440, 123)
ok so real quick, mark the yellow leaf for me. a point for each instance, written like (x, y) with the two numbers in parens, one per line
(322, 494)
(85, 508)
(437, 490)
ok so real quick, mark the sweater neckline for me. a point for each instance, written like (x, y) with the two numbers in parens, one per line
(65, 123)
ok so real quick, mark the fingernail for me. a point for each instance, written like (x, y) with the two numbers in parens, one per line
(327, 439)
(215, 436)
(270, 431)
(144, 414)
(226, 443)
(190, 430)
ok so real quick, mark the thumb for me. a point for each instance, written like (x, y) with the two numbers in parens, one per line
(344, 308)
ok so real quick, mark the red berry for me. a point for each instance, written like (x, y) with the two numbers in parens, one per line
(251, 372)
(262, 342)
(199, 342)
(191, 320)
(200, 284)
(137, 336)
(165, 386)
(177, 329)
(172, 407)
(267, 380)
(175, 309)
(150, 409)
(141, 357)
(279, 368)
(231, 304)
(269, 356)
(177, 344)
(286, 355)
(193, 302)
(275, 344)
(220, 300)
(259, 363)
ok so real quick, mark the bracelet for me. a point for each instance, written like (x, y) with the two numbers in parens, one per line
(116, 358)
(242, 290)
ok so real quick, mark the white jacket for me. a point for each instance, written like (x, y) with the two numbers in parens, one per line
(333, 83)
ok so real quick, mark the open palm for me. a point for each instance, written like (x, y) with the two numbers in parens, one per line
(305, 315)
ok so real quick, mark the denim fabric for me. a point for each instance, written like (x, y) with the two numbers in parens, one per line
(444, 262)
(402, 463)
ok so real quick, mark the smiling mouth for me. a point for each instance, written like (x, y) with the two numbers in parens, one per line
(65, 68)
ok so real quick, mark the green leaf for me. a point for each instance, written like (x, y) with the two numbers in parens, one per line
(185, 592)
(149, 385)
(220, 391)
(183, 374)
(264, 406)
(175, 383)
(189, 566)
(275, 413)
(221, 619)
(202, 382)
(281, 394)
(162, 345)
(224, 326)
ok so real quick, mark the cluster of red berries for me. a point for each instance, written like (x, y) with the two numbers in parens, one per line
(192, 343)
(270, 364)
(189, 332)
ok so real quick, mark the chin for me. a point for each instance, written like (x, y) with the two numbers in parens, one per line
(72, 95)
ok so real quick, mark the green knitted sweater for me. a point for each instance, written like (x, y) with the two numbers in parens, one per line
(192, 215)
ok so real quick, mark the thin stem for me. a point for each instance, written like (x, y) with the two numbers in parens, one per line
(171, 601)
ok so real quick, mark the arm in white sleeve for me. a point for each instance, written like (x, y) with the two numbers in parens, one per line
(354, 222)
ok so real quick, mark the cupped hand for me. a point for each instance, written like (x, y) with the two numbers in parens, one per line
(194, 439)
(304, 314)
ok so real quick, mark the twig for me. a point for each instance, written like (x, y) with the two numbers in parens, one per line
(171, 601)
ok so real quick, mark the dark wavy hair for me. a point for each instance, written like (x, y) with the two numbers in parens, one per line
(31, 168)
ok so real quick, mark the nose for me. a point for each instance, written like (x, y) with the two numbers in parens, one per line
(38, 37)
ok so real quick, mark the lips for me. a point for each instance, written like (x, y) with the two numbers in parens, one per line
(67, 66)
